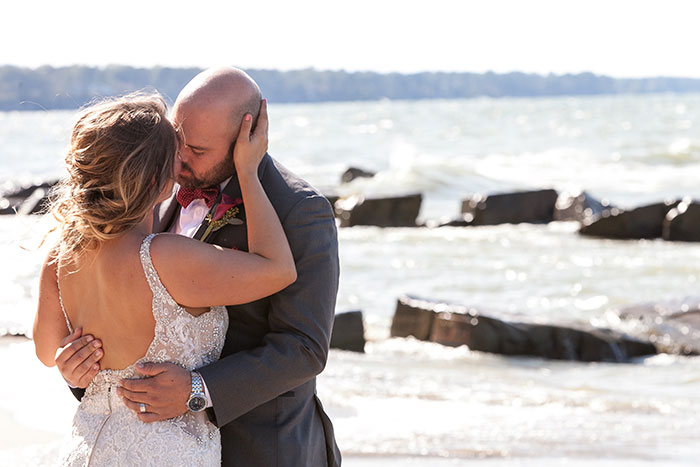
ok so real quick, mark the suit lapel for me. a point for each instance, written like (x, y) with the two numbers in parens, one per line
(200, 231)
(233, 235)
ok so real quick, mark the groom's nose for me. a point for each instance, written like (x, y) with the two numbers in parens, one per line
(184, 154)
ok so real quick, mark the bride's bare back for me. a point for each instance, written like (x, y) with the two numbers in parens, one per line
(109, 296)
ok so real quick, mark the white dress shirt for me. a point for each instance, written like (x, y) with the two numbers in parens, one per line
(187, 223)
(190, 218)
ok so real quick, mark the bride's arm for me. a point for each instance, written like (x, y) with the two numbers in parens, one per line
(198, 274)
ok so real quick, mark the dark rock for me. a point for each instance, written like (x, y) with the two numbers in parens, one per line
(36, 203)
(578, 207)
(478, 333)
(673, 327)
(353, 172)
(460, 221)
(456, 325)
(26, 200)
(682, 223)
(643, 222)
(398, 211)
(510, 208)
(25, 191)
(413, 317)
(348, 332)
(5, 207)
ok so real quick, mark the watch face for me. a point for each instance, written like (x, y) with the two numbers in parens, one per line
(197, 404)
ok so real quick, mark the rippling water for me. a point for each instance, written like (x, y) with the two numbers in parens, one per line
(419, 400)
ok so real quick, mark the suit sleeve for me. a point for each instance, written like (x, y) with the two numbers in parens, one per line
(300, 320)
(77, 392)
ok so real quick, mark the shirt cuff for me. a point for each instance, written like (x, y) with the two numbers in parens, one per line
(76, 387)
(206, 393)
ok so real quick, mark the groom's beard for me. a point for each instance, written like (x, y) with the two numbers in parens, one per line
(213, 178)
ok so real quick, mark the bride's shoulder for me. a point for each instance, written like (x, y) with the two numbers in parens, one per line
(167, 244)
(167, 240)
(170, 251)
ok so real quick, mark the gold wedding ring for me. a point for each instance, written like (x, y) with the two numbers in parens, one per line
(142, 407)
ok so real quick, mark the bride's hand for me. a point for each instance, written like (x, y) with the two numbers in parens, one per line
(251, 147)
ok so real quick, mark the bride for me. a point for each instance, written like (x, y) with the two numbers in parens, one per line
(151, 297)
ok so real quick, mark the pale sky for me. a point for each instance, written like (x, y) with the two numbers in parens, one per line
(621, 38)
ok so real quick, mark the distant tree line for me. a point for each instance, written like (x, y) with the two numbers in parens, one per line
(70, 87)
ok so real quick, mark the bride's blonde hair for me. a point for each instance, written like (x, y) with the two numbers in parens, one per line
(120, 159)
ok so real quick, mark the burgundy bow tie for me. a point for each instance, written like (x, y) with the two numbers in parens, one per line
(186, 195)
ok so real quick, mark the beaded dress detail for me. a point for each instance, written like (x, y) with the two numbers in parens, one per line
(107, 433)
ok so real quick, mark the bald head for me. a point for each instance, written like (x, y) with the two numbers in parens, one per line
(226, 90)
(208, 115)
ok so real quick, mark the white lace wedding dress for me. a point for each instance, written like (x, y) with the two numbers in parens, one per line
(107, 433)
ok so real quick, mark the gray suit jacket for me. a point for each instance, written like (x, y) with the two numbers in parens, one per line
(264, 386)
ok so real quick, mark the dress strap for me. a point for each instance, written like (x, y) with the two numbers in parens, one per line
(149, 270)
(60, 300)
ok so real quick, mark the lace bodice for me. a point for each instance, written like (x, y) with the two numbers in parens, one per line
(106, 432)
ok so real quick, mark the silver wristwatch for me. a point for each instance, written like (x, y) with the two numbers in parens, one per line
(198, 400)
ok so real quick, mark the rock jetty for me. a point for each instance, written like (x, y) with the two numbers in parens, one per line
(456, 325)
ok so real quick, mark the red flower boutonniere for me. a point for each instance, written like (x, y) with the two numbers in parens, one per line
(222, 214)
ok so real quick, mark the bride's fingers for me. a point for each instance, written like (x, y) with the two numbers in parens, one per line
(244, 132)
(263, 124)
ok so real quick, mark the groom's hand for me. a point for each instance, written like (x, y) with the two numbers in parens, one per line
(165, 392)
(78, 358)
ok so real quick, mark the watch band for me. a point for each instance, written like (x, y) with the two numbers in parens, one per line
(197, 386)
(198, 399)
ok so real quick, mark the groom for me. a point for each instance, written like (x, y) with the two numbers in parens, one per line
(262, 392)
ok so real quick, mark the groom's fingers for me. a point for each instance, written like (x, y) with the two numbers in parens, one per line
(77, 359)
(85, 378)
(151, 415)
(164, 392)
(67, 352)
(152, 369)
(133, 396)
(76, 353)
(145, 389)
(131, 403)
(156, 409)
(71, 337)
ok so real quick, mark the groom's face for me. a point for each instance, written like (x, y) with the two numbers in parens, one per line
(206, 137)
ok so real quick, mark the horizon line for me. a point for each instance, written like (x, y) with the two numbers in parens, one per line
(342, 70)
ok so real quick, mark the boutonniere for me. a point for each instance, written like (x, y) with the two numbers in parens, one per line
(223, 213)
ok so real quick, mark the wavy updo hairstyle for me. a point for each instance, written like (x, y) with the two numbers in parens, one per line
(120, 159)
